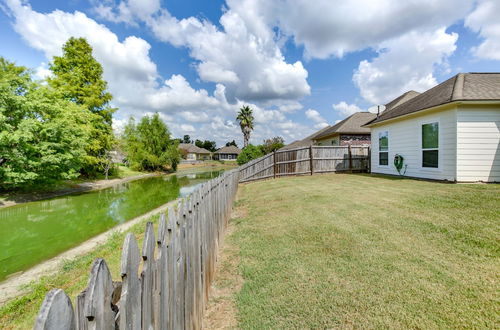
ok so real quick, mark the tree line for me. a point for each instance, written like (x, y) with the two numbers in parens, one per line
(61, 128)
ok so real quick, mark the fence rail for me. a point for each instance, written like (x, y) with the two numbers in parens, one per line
(177, 268)
(307, 160)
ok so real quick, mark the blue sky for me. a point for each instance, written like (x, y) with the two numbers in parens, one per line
(299, 64)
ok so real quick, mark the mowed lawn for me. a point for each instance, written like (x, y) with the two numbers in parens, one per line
(363, 251)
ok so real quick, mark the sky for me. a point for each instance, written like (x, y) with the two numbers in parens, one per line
(299, 64)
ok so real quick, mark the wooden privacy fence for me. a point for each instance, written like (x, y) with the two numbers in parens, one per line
(307, 160)
(177, 268)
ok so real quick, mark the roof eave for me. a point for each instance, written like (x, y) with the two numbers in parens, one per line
(438, 107)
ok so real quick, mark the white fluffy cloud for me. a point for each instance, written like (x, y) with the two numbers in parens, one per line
(327, 28)
(346, 109)
(404, 63)
(485, 20)
(246, 60)
(316, 117)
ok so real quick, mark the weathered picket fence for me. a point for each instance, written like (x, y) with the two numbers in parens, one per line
(171, 288)
(307, 160)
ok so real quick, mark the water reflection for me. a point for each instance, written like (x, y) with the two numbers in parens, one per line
(33, 232)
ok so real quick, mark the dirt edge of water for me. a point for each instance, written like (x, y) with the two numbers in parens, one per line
(78, 188)
(15, 285)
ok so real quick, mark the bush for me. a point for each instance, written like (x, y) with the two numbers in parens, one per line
(249, 152)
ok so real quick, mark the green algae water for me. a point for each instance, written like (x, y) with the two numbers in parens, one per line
(33, 232)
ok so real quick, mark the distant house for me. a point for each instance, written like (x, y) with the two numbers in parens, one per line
(306, 142)
(349, 131)
(194, 153)
(450, 132)
(227, 153)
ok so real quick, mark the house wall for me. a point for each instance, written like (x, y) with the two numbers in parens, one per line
(478, 148)
(405, 139)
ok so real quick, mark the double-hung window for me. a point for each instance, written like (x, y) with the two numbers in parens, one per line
(383, 148)
(430, 145)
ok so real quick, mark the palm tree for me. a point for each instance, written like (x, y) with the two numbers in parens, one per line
(245, 117)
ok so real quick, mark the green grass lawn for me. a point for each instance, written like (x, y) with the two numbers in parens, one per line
(361, 251)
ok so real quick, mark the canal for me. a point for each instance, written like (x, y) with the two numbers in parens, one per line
(33, 232)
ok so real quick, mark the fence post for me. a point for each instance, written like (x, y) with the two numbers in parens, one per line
(274, 160)
(311, 159)
(350, 159)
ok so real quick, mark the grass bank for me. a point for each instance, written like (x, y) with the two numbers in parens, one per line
(20, 313)
(361, 251)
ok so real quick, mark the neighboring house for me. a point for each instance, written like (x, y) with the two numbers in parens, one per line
(227, 153)
(306, 142)
(349, 131)
(450, 132)
(195, 153)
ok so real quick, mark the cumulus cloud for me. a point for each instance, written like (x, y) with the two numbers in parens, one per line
(126, 11)
(485, 20)
(404, 63)
(245, 59)
(334, 28)
(316, 117)
(346, 109)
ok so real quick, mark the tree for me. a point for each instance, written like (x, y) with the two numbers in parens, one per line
(232, 143)
(187, 139)
(273, 144)
(248, 153)
(77, 75)
(149, 146)
(42, 136)
(245, 118)
(209, 145)
(198, 143)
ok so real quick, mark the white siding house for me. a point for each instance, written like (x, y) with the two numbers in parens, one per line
(451, 132)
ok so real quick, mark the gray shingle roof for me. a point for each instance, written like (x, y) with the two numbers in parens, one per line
(229, 150)
(462, 87)
(351, 125)
(305, 142)
(191, 148)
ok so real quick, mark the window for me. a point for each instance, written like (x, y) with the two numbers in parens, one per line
(383, 148)
(430, 145)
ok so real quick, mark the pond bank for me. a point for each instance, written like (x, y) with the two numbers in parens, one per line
(16, 199)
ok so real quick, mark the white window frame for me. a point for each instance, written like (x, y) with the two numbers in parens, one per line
(388, 148)
(439, 148)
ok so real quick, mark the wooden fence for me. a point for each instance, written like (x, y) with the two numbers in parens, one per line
(307, 160)
(177, 268)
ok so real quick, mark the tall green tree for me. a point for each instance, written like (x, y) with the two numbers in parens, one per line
(42, 136)
(245, 118)
(77, 75)
(232, 143)
(149, 145)
(208, 145)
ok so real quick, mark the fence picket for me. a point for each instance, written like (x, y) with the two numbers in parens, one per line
(97, 305)
(56, 312)
(130, 300)
(147, 276)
